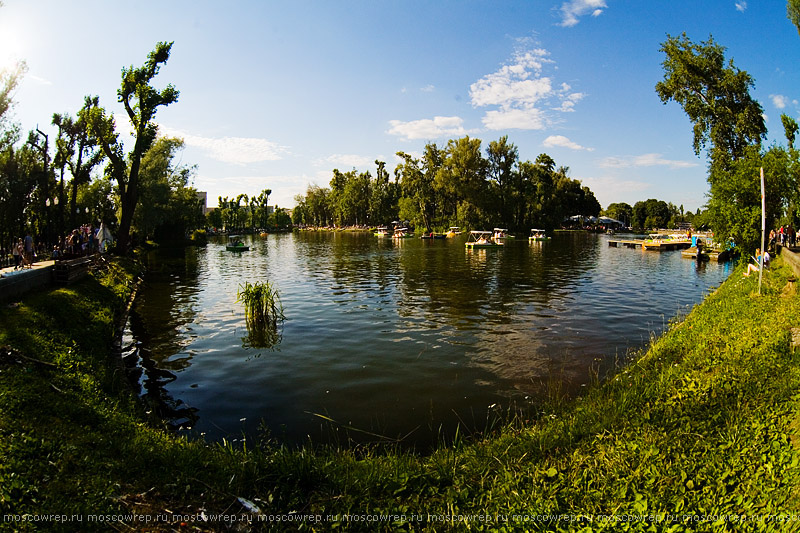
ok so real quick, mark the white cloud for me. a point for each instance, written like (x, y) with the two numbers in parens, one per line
(779, 101)
(741, 5)
(428, 128)
(235, 150)
(570, 11)
(348, 161)
(563, 142)
(520, 90)
(568, 100)
(518, 83)
(428, 89)
(645, 160)
(523, 119)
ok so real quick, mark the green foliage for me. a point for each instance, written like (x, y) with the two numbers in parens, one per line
(703, 422)
(169, 207)
(734, 205)
(141, 102)
(793, 12)
(9, 79)
(262, 303)
(619, 211)
(263, 313)
(455, 185)
(716, 97)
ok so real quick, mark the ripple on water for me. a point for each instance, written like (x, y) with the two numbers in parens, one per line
(401, 338)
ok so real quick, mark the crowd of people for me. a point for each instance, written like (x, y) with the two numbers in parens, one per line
(79, 242)
(785, 236)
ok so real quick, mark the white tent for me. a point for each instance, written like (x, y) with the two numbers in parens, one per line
(609, 220)
(104, 237)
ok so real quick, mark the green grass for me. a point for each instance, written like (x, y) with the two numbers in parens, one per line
(702, 422)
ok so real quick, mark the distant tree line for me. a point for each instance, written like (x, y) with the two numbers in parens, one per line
(653, 214)
(455, 185)
(248, 213)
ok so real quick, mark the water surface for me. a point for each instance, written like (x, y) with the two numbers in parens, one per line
(399, 338)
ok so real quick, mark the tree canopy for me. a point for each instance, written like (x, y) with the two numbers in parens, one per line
(141, 102)
(729, 123)
(452, 186)
(714, 94)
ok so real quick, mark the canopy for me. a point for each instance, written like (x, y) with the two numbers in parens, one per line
(104, 237)
(609, 220)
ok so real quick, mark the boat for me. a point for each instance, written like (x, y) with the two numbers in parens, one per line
(432, 235)
(263, 234)
(454, 230)
(538, 235)
(482, 239)
(382, 231)
(235, 244)
(401, 233)
(663, 241)
(500, 235)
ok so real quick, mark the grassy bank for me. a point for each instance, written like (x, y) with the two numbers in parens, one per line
(701, 424)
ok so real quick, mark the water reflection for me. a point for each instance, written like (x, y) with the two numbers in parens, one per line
(401, 337)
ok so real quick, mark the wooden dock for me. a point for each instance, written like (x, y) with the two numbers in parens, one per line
(650, 245)
(629, 243)
(706, 254)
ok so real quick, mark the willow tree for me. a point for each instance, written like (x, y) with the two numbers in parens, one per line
(140, 101)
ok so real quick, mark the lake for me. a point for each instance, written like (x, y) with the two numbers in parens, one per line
(397, 339)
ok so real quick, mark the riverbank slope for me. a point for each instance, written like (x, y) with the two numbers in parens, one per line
(703, 423)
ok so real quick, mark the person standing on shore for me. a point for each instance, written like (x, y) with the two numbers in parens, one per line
(15, 251)
(29, 248)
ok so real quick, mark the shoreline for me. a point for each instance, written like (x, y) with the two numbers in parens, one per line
(705, 417)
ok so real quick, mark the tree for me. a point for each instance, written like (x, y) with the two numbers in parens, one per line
(141, 102)
(76, 150)
(462, 181)
(725, 118)
(41, 215)
(168, 207)
(417, 201)
(790, 129)
(716, 97)
(262, 208)
(619, 211)
(502, 158)
(16, 189)
(383, 202)
(793, 12)
(9, 79)
(734, 207)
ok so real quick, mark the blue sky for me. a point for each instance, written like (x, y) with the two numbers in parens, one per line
(277, 94)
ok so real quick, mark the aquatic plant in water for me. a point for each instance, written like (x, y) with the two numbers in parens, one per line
(263, 311)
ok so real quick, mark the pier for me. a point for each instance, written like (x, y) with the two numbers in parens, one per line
(659, 245)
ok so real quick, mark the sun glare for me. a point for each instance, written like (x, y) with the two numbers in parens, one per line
(11, 47)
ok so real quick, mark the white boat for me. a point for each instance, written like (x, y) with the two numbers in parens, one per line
(482, 239)
(382, 231)
(454, 230)
(500, 235)
(401, 233)
(538, 235)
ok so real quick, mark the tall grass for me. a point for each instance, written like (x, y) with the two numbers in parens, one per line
(263, 313)
(262, 303)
